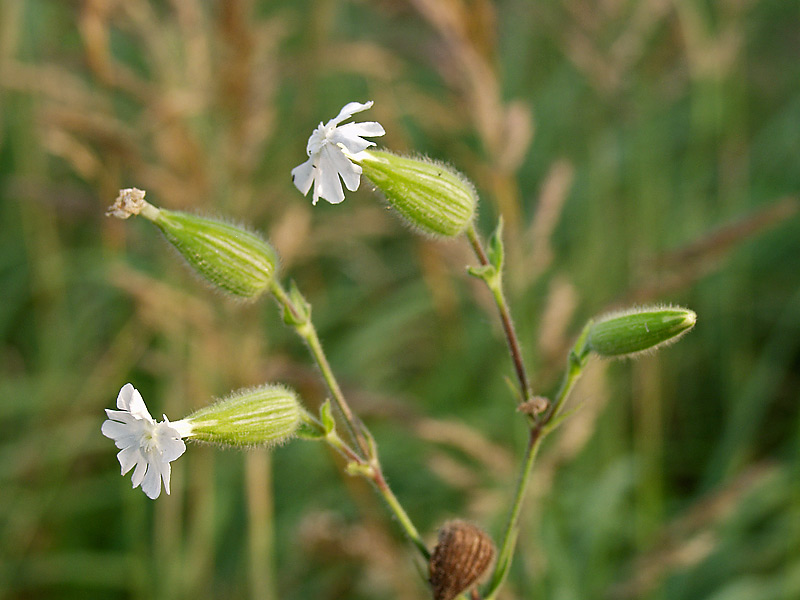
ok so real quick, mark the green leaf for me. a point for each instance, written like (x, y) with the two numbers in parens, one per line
(485, 272)
(326, 417)
(301, 314)
(495, 249)
(308, 431)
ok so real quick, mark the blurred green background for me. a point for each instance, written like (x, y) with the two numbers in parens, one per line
(638, 150)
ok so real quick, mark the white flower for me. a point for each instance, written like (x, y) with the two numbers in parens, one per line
(143, 442)
(329, 149)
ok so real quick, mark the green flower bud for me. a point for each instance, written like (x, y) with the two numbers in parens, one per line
(229, 257)
(430, 196)
(262, 416)
(627, 333)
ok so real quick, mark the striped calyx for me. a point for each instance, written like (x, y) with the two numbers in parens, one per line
(432, 197)
(231, 258)
(262, 416)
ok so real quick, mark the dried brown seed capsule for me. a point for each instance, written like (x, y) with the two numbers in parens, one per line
(462, 555)
(534, 407)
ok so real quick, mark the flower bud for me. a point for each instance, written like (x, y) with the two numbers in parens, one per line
(430, 196)
(229, 257)
(462, 556)
(261, 416)
(627, 333)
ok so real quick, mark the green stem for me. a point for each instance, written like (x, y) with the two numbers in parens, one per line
(495, 285)
(400, 514)
(544, 425)
(367, 463)
(507, 547)
(308, 333)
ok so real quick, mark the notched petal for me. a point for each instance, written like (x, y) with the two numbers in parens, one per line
(303, 176)
(348, 110)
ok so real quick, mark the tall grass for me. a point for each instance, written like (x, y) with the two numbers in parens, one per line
(638, 151)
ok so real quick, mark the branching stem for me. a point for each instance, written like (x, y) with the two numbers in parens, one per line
(540, 425)
(495, 285)
(366, 462)
(539, 430)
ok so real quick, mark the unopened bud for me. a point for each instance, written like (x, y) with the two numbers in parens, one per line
(627, 333)
(262, 416)
(430, 196)
(229, 257)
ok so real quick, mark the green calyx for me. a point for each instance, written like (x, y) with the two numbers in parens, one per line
(230, 258)
(432, 197)
(262, 416)
(628, 333)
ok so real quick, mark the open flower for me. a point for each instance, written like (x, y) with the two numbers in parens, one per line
(329, 150)
(144, 443)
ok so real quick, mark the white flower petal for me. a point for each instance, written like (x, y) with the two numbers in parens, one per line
(116, 430)
(139, 471)
(317, 187)
(146, 446)
(170, 443)
(317, 139)
(128, 457)
(165, 477)
(124, 397)
(151, 484)
(329, 150)
(329, 177)
(121, 416)
(183, 427)
(349, 172)
(348, 110)
(303, 176)
(349, 135)
(137, 406)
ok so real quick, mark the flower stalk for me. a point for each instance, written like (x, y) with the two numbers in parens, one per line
(491, 272)
(365, 461)
(299, 317)
(542, 425)
(370, 469)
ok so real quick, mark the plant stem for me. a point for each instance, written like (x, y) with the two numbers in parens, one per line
(541, 427)
(495, 285)
(506, 553)
(400, 514)
(308, 333)
(367, 463)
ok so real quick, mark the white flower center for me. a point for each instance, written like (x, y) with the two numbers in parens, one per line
(320, 137)
(149, 441)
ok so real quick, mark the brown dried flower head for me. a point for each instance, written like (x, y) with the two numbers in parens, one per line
(462, 556)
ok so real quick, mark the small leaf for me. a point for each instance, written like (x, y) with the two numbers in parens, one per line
(301, 314)
(308, 431)
(326, 417)
(301, 304)
(362, 469)
(485, 272)
(495, 249)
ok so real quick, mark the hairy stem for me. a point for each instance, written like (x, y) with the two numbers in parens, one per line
(367, 462)
(308, 333)
(496, 287)
(508, 545)
(539, 430)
